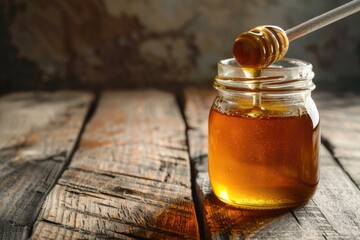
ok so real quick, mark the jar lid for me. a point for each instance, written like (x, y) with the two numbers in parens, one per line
(285, 75)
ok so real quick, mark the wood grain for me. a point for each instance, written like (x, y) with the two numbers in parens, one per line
(38, 132)
(340, 121)
(333, 212)
(130, 177)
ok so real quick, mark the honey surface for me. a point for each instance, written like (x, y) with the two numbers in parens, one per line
(269, 162)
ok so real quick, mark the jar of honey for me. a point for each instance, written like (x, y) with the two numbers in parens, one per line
(264, 135)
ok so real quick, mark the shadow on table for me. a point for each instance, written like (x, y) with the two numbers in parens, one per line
(177, 221)
(224, 221)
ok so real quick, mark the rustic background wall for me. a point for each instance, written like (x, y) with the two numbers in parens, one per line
(96, 44)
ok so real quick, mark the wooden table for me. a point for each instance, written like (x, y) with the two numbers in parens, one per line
(133, 165)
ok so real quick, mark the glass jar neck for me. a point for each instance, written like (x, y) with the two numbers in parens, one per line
(284, 98)
(288, 76)
(283, 89)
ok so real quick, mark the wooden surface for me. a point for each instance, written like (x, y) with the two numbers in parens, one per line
(334, 211)
(130, 177)
(340, 121)
(140, 171)
(38, 133)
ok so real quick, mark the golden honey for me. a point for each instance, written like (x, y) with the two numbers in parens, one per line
(267, 162)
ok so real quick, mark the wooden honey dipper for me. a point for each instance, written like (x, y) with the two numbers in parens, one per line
(264, 45)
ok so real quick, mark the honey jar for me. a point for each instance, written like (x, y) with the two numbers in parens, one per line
(264, 135)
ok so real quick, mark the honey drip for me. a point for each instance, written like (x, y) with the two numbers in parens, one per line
(257, 49)
(263, 162)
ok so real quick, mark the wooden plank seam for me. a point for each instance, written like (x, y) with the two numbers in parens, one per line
(37, 138)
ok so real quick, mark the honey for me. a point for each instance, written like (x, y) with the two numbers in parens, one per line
(264, 135)
(267, 162)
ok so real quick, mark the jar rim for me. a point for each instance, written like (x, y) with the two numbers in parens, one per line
(275, 66)
(286, 75)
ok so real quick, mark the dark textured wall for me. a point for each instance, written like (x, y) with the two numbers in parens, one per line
(97, 44)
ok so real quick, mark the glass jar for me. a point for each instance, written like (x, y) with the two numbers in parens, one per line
(264, 135)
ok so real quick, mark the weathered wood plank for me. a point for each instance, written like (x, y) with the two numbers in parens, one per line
(340, 121)
(38, 132)
(333, 212)
(130, 177)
